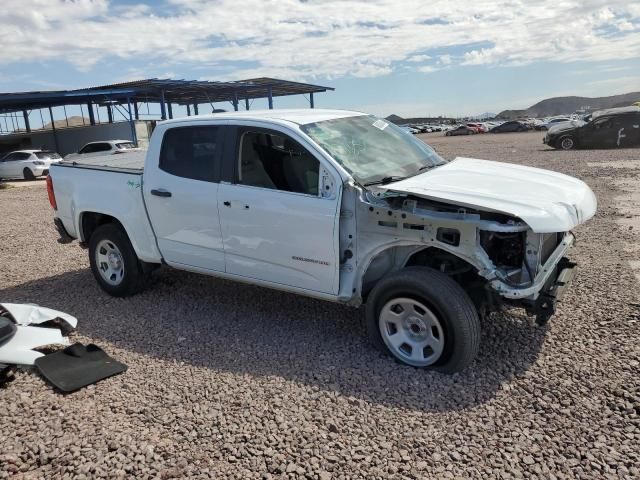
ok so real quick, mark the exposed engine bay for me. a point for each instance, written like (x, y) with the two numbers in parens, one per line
(492, 255)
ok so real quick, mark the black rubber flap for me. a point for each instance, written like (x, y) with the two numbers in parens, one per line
(78, 366)
(7, 329)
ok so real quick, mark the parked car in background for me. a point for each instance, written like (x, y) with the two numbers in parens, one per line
(296, 200)
(478, 127)
(512, 126)
(410, 129)
(27, 164)
(105, 147)
(550, 123)
(612, 128)
(461, 130)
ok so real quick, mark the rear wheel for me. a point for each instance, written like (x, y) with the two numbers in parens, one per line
(424, 319)
(28, 174)
(114, 262)
(567, 142)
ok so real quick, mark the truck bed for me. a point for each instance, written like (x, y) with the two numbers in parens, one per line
(130, 162)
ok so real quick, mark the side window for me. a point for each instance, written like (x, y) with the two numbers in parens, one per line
(271, 160)
(87, 148)
(191, 152)
(9, 158)
(101, 147)
(603, 123)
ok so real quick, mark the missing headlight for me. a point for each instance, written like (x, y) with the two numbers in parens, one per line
(504, 249)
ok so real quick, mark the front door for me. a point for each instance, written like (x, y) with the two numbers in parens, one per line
(600, 133)
(277, 226)
(181, 196)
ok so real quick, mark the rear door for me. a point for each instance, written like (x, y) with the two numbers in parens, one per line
(628, 130)
(280, 212)
(180, 191)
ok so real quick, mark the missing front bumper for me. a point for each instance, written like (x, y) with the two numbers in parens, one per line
(555, 288)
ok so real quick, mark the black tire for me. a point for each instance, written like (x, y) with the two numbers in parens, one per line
(28, 174)
(447, 300)
(566, 142)
(135, 275)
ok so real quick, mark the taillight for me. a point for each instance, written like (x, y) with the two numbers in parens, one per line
(52, 195)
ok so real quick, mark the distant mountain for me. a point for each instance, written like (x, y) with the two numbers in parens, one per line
(568, 105)
(75, 121)
(395, 119)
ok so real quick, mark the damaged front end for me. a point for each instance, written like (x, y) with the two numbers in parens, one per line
(496, 257)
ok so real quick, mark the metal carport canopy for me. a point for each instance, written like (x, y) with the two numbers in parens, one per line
(158, 90)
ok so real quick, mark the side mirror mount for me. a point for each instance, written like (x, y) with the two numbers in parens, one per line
(327, 184)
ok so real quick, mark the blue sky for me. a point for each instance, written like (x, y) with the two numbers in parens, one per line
(406, 57)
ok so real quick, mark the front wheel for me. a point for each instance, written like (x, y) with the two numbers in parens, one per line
(424, 319)
(114, 262)
(567, 142)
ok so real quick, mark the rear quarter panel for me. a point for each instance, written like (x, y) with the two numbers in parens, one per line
(118, 194)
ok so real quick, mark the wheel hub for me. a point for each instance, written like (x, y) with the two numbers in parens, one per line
(114, 260)
(412, 331)
(109, 262)
(416, 328)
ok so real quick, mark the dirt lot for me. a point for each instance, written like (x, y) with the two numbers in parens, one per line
(229, 380)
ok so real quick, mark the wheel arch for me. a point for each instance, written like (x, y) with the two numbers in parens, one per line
(90, 221)
(396, 256)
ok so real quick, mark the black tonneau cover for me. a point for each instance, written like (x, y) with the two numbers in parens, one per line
(126, 162)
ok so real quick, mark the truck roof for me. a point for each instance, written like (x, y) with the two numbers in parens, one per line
(616, 111)
(298, 116)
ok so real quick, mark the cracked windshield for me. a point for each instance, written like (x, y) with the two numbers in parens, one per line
(371, 149)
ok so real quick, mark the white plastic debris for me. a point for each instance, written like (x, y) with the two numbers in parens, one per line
(30, 334)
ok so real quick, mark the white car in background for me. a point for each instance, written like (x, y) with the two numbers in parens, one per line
(105, 147)
(27, 164)
(547, 124)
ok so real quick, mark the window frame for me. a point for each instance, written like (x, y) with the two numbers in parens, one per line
(235, 156)
(601, 122)
(218, 157)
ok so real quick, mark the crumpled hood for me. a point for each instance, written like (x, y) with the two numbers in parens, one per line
(547, 201)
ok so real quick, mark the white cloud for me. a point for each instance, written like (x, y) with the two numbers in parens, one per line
(313, 39)
(418, 58)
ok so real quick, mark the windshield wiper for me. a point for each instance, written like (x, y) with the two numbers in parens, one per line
(384, 181)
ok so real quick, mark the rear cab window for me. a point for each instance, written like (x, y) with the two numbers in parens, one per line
(192, 152)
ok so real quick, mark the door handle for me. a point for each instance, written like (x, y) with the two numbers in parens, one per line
(226, 203)
(160, 192)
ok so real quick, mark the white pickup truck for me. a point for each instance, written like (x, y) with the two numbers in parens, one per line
(336, 205)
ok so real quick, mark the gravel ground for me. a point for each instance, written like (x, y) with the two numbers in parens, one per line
(229, 380)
